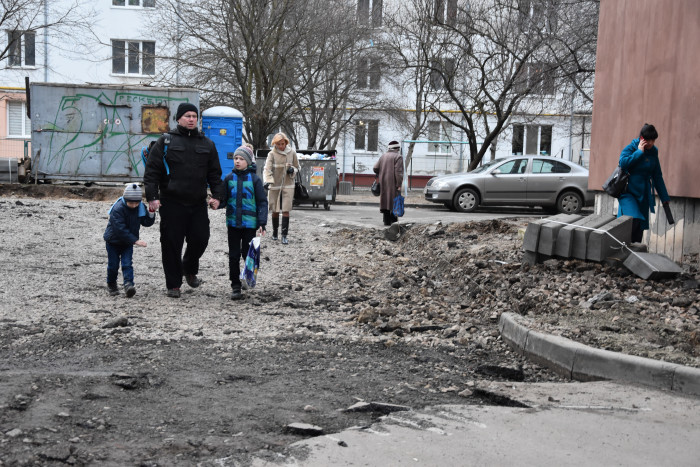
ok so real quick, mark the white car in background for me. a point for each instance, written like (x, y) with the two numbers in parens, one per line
(555, 184)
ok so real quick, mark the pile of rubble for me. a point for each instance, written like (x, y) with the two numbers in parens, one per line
(447, 285)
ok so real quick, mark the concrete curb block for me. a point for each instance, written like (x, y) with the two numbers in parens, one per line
(577, 361)
(598, 364)
(552, 351)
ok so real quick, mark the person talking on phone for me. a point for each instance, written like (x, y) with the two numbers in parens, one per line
(281, 167)
(641, 159)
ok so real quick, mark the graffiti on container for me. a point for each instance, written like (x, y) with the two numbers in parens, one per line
(93, 134)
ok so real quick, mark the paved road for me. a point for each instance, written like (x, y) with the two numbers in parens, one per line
(362, 215)
(576, 424)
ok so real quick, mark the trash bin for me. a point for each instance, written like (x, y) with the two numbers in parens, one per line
(319, 174)
(224, 126)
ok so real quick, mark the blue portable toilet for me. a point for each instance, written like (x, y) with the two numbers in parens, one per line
(224, 126)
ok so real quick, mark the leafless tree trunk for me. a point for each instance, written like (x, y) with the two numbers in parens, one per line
(236, 52)
(324, 93)
(285, 64)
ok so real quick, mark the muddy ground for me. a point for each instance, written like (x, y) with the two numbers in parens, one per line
(340, 315)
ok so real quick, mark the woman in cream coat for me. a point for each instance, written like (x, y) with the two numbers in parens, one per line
(281, 168)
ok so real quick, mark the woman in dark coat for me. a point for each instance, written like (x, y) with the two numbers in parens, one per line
(641, 159)
(389, 170)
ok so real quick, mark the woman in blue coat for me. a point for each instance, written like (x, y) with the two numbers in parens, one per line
(641, 159)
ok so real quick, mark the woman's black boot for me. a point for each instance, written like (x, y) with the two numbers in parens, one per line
(285, 230)
(275, 226)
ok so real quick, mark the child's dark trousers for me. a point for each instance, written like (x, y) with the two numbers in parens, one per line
(115, 255)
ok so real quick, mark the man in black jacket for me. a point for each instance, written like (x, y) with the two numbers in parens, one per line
(176, 186)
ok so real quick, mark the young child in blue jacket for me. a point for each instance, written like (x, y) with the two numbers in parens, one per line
(246, 212)
(126, 216)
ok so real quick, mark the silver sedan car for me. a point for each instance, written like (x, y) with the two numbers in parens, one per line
(554, 184)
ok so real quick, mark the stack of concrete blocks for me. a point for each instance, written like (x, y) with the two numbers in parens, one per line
(591, 238)
(8, 170)
(594, 238)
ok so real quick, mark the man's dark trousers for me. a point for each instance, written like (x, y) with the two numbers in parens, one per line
(180, 223)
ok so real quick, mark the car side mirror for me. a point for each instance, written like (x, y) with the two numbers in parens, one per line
(496, 172)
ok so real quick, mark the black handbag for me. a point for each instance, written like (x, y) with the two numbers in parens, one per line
(300, 191)
(375, 188)
(616, 184)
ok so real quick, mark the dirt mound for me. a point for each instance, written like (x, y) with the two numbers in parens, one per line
(474, 271)
(66, 191)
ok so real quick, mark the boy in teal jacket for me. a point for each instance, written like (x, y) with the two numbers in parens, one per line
(246, 212)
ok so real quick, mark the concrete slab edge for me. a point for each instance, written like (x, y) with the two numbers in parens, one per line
(580, 362)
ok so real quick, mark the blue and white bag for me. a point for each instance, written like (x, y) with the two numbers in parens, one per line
(252, 264)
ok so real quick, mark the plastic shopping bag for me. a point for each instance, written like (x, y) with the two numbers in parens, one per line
(252, 263)
(398, 206)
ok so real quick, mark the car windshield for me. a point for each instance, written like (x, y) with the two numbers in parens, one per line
(486, 166)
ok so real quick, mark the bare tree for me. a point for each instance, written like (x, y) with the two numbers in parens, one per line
(410, 46)
(23, 19)
(490, 60)
(325, 92)
(283, 63)
(236, 52)
(573, 47)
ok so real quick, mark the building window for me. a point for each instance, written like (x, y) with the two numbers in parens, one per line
(21, 48)
(441, 72)
(133, 57)
(367, 135)
(368, 73)
(536, 77)
(533, 139)
(18, 124)
(369, 12)
(439, 131)
(135, 3)
(540, 15)
(445, 12)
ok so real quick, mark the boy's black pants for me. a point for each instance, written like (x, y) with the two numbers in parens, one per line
(238, 244)
(180, 223)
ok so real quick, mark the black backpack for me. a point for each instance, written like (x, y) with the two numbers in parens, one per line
(145, 151)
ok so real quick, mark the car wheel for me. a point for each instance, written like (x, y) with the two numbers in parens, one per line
(569, 202)
(466, 200)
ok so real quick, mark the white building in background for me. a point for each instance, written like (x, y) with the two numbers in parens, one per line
(114, 47)
(552, 132)
(120, 49)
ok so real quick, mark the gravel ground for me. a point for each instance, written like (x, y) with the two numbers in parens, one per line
(339, 316)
